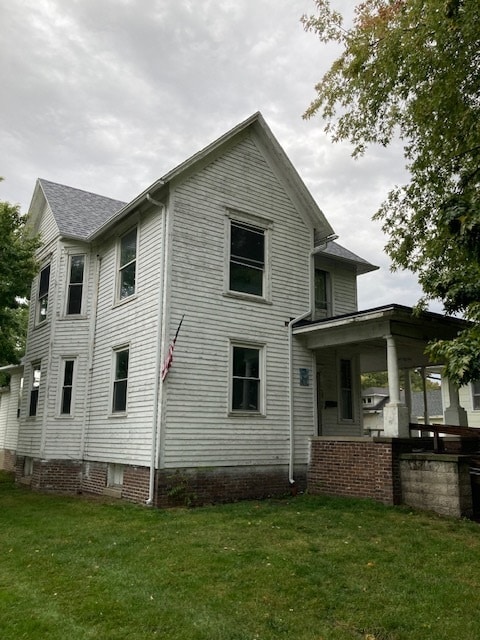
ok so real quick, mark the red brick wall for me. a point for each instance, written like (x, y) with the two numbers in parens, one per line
(210, 486)
(358, 468)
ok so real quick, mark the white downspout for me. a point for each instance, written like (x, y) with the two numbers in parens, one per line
(158, 356)
(311, 255)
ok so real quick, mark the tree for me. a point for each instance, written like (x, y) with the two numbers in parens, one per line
(17, 268)
(411, 69)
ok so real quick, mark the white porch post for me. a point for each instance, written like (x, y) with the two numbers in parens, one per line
(454, 414)
(395, 413)
(408, 393)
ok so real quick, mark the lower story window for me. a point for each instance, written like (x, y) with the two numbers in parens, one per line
(34, 389)
(476, 395)
(246, 378)
(346, 390)
(67, 387)
(120, 382)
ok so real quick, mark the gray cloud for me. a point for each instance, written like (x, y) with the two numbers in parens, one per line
(107, 96)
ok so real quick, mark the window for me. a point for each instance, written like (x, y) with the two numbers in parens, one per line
(115, 475)
(346, 390)
(75, 284)
(127, 264)
(67, 387)
(246, 380)
(120, 383)
(322, 293)
(476, 395)
(247, 259)
(34, 389)
(43, 286)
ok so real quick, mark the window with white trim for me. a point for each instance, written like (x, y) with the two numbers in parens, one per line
(127, 264)
(476, 395)
(34, 389)
(247, 259)
(42, 298)
(346, 390)
(246, 383)
(322, 294)
(66, 396)
(76, 272)
(120, 381)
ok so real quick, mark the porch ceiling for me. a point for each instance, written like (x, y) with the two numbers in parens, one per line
(364, 333)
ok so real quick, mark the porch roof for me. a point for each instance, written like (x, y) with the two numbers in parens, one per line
(364, 332)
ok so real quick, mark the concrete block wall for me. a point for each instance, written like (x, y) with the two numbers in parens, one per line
(437, 482)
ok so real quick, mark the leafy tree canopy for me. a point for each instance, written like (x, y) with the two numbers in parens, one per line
(17, 268)
(411, 69)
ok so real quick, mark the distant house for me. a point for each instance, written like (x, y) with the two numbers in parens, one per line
(230, 250)
(375, 398)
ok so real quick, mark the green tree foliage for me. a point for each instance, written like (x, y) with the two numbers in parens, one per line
(17, 268)
(411, 69)
(380, 379)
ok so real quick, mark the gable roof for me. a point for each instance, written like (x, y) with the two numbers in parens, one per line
(78, 213)
(271, 148)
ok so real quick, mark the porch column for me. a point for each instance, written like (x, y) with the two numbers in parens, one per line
(408, 394)
(395, 413)
(454, 414)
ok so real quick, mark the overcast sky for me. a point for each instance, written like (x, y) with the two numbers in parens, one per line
(108, 95)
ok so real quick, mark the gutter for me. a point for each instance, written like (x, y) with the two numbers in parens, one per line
(158, 355)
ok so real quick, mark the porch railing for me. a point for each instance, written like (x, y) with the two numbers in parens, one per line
(439, 430)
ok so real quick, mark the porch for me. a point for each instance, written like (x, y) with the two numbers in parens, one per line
(401, 461)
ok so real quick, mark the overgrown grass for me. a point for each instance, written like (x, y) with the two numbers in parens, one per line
(301, 568)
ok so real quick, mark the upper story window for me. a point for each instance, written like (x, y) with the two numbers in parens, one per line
(323, 306)
(76, 274)
(247, 259)
(476, 395)
(35, 388)
(246, 378)
(43, 287)
(127, 267)
(120, 382)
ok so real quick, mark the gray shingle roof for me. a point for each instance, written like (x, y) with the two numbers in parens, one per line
(335, 250)
(78, 213)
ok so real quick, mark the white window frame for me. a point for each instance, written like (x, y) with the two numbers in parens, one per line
(261, 348)
(115, 475)
(121, 267)
(75, 284)
(35, 382)
(42, 298)
(115, 380)
(475, 394)
(258, 223)
(328, 311)
(62, 386)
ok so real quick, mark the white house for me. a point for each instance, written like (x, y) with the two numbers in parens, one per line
(268, 355)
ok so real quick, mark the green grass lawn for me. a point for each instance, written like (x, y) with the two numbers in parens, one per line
(300, 568)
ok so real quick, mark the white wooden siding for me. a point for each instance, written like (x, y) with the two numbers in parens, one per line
(9, 422)
(198, 430)
(126, 438)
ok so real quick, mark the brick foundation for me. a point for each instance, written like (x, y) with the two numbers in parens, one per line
(224, 484)
(174, 487)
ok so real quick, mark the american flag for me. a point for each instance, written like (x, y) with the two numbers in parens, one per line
(169, 359)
